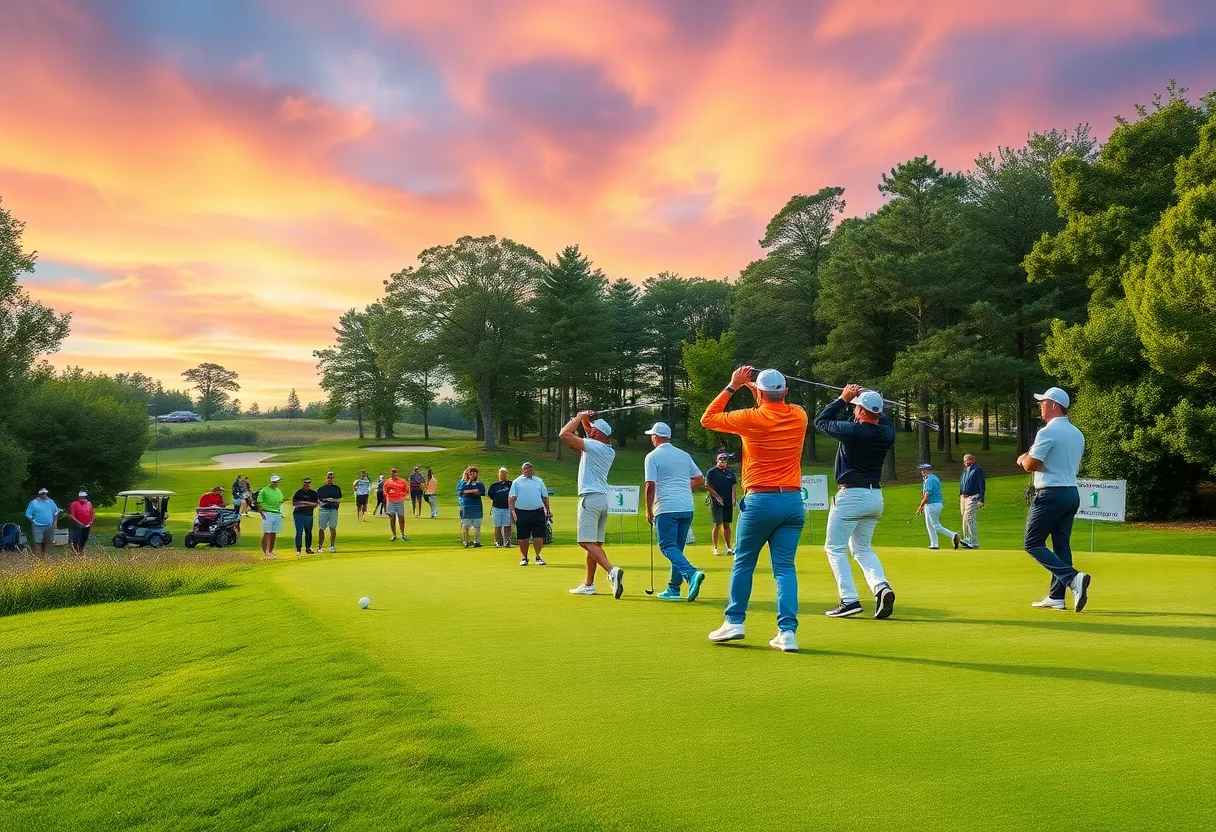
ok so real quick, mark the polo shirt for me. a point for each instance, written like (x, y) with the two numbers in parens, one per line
(593, 466)
(304, 495)
(1059, 446)
(329, 492)
(470, 504)
(772, 433)
(500, 491)
(270, 500)
(670, 469)
(211, 500)
(82, 512)
(933, 487)
(972, 483)
(42, 512)
(863, 446)
(395, 489)
(529, 494)
(723, 482)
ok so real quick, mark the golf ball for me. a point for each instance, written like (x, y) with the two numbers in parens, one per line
(365, 602)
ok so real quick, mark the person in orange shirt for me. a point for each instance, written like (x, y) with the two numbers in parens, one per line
(771, 511)
(395, 489)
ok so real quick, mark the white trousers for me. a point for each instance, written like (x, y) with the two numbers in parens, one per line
(969, 507)
(851, 523)
(933, 522)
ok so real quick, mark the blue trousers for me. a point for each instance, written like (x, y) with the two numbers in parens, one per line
(776, 519)
(672, 528)
(303, 529)
(1052, 513)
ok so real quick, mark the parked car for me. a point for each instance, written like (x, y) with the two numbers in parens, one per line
(181, 416)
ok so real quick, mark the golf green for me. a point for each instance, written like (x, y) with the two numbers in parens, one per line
(476, 694)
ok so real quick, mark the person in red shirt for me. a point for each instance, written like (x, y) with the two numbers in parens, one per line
(81, 514)
(213, 498)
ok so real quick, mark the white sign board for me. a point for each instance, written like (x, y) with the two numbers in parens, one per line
(623, 499)
(815, 493)
(1102, 500)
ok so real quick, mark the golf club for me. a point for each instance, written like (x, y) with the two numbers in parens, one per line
(651, 590)
(920, 420)
(629, 407)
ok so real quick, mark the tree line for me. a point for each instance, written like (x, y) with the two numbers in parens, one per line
(1057, 261)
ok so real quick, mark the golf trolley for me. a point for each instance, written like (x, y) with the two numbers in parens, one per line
(144, 523)
(217, 527)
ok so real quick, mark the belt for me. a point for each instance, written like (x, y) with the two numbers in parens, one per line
(872, 485)
(773, 489)
(1054, 488)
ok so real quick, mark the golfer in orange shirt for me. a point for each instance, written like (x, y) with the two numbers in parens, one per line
(771, 510)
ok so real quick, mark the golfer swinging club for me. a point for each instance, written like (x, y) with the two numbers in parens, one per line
(771, 512)
(595, 461)
(671, 476)
(864, 444)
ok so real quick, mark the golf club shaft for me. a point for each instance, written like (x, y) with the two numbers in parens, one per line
(921, 420)
(628, 407)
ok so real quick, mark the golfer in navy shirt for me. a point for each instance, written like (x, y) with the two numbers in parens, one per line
(864, 443)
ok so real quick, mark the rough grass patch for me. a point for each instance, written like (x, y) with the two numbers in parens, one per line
(28, 583)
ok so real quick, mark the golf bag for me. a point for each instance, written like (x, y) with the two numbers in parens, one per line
(12, 539)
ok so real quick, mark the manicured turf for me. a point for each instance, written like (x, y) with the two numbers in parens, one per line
(476, 694)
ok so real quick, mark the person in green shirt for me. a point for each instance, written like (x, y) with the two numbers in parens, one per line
(270, 506)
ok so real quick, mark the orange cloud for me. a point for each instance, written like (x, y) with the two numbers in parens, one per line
(236, 205)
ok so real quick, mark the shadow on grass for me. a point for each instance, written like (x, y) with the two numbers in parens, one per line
(1154, 681)
(1079, 625)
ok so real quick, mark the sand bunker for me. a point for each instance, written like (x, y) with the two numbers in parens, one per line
(402, 449)
(243, 460)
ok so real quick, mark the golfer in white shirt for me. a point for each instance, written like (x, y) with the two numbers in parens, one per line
(1054, 459)
(593, 466)
(671, 475)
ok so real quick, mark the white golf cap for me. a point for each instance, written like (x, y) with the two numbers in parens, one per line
(83, 494)
(275, 478)
(1054, 394)
(43, 491)
(502, 470)
(871, 400)
(602, 426)
(660, 429)
(770, 381)
(924, 466)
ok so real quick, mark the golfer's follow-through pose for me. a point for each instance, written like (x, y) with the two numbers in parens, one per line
(1053, 459)
(595, 461)
(671, 475)
(771, 510)
(864, 444)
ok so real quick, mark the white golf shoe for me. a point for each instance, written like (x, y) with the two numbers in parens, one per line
(727, 632)
(1080, 591)
(1049, 603)
(583, 589)
(784, 641)
(617, 578)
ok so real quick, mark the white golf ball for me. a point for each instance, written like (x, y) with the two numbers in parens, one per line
(365, 602)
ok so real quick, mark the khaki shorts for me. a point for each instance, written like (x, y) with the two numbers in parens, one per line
(592, 518)
(327, 519)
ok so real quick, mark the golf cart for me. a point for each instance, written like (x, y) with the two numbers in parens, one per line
(218, 527)
(144, 523)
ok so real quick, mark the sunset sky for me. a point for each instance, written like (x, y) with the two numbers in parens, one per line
(220, 179)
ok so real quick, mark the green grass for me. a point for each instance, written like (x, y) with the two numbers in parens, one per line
(475, 694)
